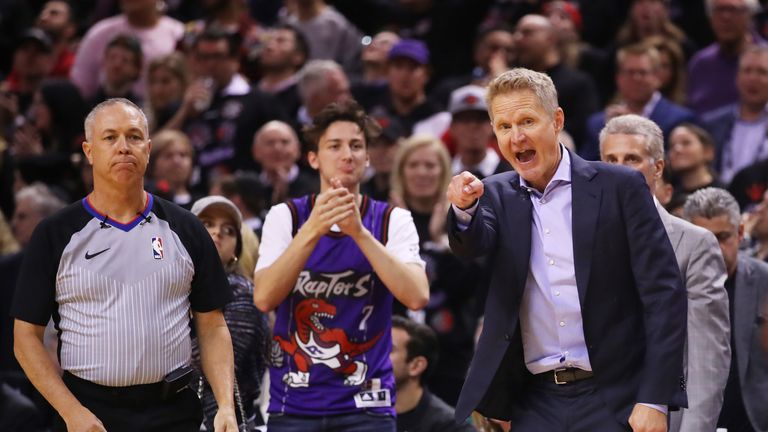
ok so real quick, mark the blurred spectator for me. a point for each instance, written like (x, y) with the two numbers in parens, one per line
(637, 82)
(142, 19)
(33, 204)
(374, 57)
(493, 53)
(749, 184)
(234, 18)
(745, 395)
(672, 73)
(276, 148)
(414, 356)
(245, 191)
(420, 178)
(648, 18)
(756, 230)
(321, 82)
(247, 325)
(57, 20)
(284, 53)
(536, 48)
(32, 61)
(712, 70)
(739, 130)
(329, 34)
(171, 167)
(120, 67)
(405, 97)
(381, 154)
(213, 105)
(664, 190)
(54, 125)
(472, 134)
(691, 154)
(167, 80)
(567, 22)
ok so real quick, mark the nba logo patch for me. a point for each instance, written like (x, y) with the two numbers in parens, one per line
(157, 247)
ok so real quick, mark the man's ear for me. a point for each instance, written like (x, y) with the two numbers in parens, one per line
(559, 119)
(417, 366)
(312, 159)
(658, 168)
(87, 151)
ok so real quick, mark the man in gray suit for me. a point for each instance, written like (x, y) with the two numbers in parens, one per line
(638, 143)
(746, 395)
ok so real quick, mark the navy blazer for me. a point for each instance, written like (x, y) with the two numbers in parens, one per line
(667, 114)
(633, 301)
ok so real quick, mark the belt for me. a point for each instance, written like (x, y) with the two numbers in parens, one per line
(135, 393)
(564, 375)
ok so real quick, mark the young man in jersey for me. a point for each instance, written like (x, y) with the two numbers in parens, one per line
(330, 264)
(119, 271)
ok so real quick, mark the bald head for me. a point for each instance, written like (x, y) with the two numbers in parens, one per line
(535, 41)
(275, 146)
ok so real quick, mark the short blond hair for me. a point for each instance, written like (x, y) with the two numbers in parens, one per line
(404, 151)
(524, 79)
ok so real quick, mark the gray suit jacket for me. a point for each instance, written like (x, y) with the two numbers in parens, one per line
(707, 356)
(751, 294)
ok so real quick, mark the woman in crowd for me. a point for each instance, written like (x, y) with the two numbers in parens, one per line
(247, 325)
(672, 73)
(54, 125)
(167, 80)
(420, 177)
(691, 152)
(170, 167)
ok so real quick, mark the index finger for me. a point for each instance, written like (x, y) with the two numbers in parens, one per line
(467, 177)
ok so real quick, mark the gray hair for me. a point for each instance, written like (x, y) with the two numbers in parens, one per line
(88, 124)
(43, 199)
(752, 5)
(710, 203)
(524, 79)
(632, 124)
(313, 76)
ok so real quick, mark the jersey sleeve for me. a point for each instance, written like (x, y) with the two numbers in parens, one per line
(35, 296)
(403, 240)
(276, 235)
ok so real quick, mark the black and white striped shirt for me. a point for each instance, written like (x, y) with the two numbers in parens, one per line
(120, 294)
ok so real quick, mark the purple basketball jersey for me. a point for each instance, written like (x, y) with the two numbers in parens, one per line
(332, 335)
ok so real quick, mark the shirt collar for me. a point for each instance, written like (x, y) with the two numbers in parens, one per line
(651, 105)
(237, 86)
(562, 174)
(486, 167)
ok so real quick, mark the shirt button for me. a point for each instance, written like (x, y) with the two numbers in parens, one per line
(562, 323)
(546, 230)
(551, 262)
(543, 201)
(557, 293)
(565, 353)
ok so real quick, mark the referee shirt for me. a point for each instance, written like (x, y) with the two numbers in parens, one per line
(120, 294)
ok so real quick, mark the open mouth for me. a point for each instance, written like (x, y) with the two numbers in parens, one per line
(315, 318)
(525, 156)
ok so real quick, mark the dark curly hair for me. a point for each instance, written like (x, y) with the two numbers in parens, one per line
(349, 111)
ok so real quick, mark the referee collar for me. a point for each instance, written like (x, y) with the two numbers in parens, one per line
(140, 216)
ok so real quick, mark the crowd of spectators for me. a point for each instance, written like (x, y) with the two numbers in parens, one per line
(228, 86)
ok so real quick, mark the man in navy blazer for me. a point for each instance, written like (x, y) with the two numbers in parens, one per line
(586, 312)
(638, 87)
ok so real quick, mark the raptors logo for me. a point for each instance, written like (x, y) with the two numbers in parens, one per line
(312, 343)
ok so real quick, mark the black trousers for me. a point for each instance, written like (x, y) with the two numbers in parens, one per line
(573, 407)
(136, 408)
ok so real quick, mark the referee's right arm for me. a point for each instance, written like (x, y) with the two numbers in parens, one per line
(37, 364)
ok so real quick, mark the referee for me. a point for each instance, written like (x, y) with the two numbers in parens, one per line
(119, 273)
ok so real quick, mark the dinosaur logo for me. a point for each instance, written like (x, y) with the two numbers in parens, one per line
(313, 343)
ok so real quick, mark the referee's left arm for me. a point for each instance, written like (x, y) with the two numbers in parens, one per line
(218, 365)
